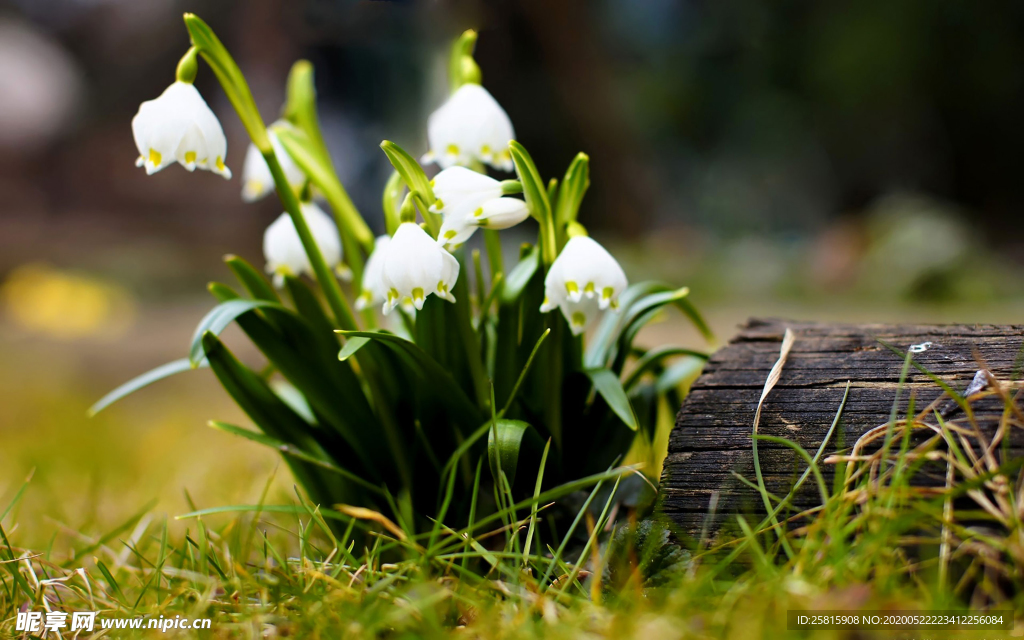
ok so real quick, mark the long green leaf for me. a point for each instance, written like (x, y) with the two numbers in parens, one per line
(273, 416)
(411, 171)
(146, 379)
(503, 443)
(447, 391)
(520, 276)
(253, 281)
(607, 384)
(293, 451)
(536, 195)
(570, 195)
(218, 319)
(654, 358)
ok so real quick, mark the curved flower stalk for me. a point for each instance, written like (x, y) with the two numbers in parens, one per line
(583, 280)
(470, 127)
(415, 266)
(257, 181)
(470, 200)
(283, 248)
(179, 127)
(373, 290)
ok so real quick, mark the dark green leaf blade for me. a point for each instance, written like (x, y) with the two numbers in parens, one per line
(607, 384)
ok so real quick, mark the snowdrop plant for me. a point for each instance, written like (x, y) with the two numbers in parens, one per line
(527, 368)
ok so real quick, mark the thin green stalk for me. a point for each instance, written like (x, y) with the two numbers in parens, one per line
(324, 275)
(492, 242)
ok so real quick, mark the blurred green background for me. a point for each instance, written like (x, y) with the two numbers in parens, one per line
(836, 161)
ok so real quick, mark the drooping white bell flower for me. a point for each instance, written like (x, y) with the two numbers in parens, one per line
(179, 127)
(283, 248)
(470, 126)
(374, 291)
(257, 181)
(469, 200)
(583, 280)
(415, 266)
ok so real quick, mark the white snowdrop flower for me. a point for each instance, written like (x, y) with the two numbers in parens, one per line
(470, 126)
(583, 280)
(257, 181)
(179, 127)
(415, 266)
(468, 200)
(374, 291)
(283, 248)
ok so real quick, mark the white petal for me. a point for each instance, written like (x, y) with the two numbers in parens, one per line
(256, 179)
(415, 266)
(449, 276)
(502, 213)
(283, 248)
(459, 187)
(471, 125)
(580, 315)
(373, 289)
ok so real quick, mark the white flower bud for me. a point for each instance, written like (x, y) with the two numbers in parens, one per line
(179, 127)
(283, 248)
(470, 126)
(257, 180)
(415, 266)
(583, 280)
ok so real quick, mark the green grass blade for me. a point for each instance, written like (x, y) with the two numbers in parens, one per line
(144, 380)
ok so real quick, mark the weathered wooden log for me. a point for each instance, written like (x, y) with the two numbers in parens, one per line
(711, 441)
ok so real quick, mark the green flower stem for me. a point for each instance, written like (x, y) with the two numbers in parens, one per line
(230, 78)
(324, 275)
(356, 237)
(492, 242)
(300, 110)
(188, 66)
(470, 340)
(462, 68)
(237, 90)
(390, 202)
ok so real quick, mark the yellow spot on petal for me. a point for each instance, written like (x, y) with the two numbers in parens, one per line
(220, 164)
(607, 292)
(439, 204)
(485, 150)
(431, 183)
(190, 157)
(453, 149)
(442, 287)
(449, 234)
(417, 293)
(578, 319)
(572, 287)
(589, 289)
(479, 212)
(155, 157)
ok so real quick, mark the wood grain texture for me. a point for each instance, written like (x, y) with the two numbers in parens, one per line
(712, 437)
